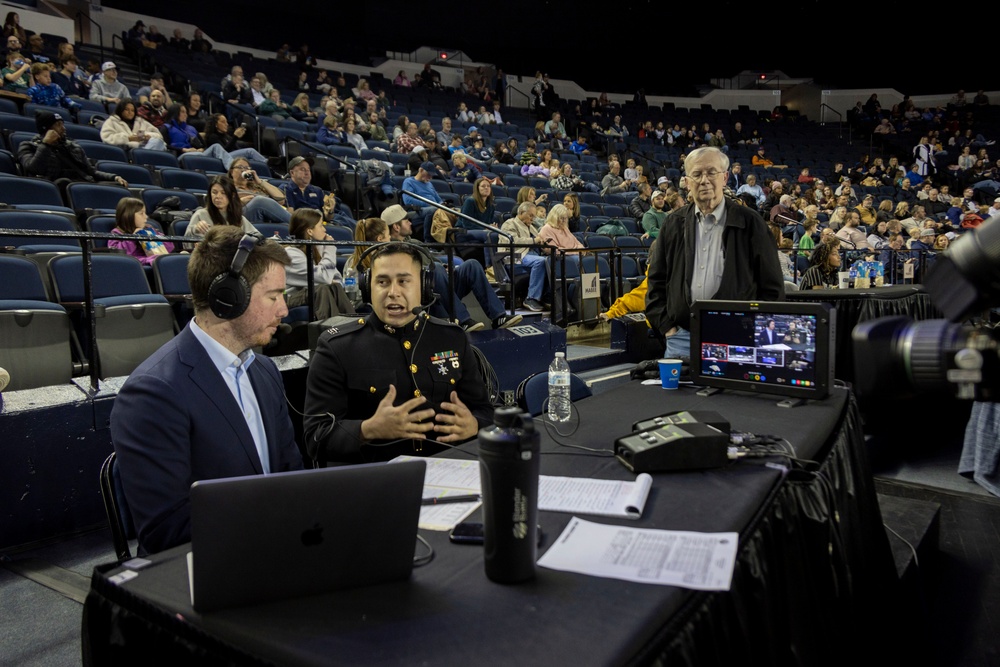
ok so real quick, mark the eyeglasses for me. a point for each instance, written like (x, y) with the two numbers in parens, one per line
(711, 174)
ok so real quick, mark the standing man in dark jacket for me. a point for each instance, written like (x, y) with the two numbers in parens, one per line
(710, 249)
(53, 156)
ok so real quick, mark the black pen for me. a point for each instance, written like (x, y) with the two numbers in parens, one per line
(447, 500)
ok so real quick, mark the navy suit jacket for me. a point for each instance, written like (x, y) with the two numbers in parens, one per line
(175, 422)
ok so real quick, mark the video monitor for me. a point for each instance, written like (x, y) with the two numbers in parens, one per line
(782, 348)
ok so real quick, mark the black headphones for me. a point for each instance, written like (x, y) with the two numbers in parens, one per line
(229, 293)
(426, 268)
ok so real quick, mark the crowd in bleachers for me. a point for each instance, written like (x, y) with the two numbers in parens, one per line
(243, 140)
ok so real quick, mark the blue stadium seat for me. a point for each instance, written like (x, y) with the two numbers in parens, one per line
(202, 163)
(155, 159)
(191, 181)
(135, 175)
(98, 150)
(88, 199)
(152, 197)
(170, 277)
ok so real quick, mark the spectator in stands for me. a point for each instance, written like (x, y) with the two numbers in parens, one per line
(67, 79)
(866, 209)
(420, 184)
(53, 156)
(130, 218)
(219, 133)
(12, 27)
(351, 136)
(237, 91)
(401, 80)
(47, 93)
(641, 202)
(124, 128)
(222, 208)
(376, 130)
(178, 42)
(653, 219)
(612, 183)
(199, 44)
(852, 238)
(407, 142)
(329, 296)
(556, 233)
(444, 136)
(154, 109)
(155, 83)
(572, 203)
(108, 88)
(299, 191)
(751, 188)
(480, 206)
(300, 109)
(522, 230)
(262, 201)
(823, 269)
(369, 230)
(136, 34)
(197, 115)
(879, 236)
(330, 134)
(257, 91)
(760, 160)
(363, 91)
(274, 107)
(555, 128)
(17, 74)
(463, 169)
(923, 154)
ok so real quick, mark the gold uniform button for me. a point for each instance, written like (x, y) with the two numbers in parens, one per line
(361, 320)
(406, 344)
(452, 380)
(371, 389)
(416, 393)
(413, 368)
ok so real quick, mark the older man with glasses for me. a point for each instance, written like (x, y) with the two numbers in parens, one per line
(713, 248)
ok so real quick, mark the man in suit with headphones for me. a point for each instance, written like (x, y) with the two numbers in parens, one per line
(204, 406)
(393, 382)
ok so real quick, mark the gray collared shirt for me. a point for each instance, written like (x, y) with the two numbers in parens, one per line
(709, 261)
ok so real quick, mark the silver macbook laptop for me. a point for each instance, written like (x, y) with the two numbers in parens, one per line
(262, 538)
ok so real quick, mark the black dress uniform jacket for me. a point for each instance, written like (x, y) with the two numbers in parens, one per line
(353, 366)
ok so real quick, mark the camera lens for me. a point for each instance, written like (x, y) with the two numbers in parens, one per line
(247, 175)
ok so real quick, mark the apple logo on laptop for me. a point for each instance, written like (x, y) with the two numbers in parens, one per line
(313, 536)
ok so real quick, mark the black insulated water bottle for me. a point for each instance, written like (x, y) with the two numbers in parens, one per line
(508, 468)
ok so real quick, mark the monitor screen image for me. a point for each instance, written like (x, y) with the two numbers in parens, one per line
(778, 348)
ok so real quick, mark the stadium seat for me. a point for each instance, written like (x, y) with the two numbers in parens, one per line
(155, 159)
(88, 199)
(97, 150)
(132, 324)
(35, 338)
(202, 163)
(190, 181)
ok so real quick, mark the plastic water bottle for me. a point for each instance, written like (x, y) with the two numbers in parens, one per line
(351, 285)
(853, 276)
(559, 401)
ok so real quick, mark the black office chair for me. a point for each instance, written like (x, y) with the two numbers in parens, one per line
(533, 392)
(119, 519)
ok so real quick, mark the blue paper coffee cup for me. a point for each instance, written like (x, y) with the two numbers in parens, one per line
(670, 373)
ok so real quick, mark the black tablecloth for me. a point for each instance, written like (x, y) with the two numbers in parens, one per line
(803, 590)
(859, 305)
